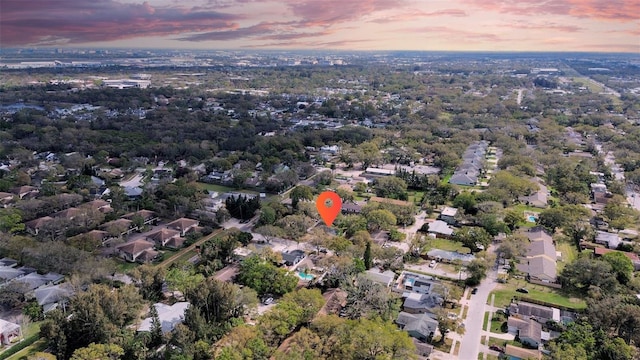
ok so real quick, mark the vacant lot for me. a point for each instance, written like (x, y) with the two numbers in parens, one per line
(505, 293)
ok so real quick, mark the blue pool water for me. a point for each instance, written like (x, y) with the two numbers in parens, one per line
(531, 218)
(304, 276)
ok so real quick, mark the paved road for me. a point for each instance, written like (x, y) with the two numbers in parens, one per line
(470, 344)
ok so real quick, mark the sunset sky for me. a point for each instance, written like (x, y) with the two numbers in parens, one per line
(493, 25)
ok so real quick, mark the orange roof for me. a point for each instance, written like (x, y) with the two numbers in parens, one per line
(599, 251)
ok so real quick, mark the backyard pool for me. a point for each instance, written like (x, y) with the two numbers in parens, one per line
(304, 276)
(532, 218)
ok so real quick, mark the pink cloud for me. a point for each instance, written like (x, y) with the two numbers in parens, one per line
(614, 10)
(456, 35)
(78, 21)
(408, 16)
(523, 25)
(330, 12)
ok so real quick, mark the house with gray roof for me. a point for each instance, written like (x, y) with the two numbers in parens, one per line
(449, 256)
(540, 313)
(169, 316)
(384, 278)
(529, 331)
(610, 240)
(416, 303)
(50, 297)
(440, 229)
(419, 326)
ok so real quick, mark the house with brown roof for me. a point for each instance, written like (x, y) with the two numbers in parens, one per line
(175, 242)
(69, 214)
(98, 205)
(148, 216)
(162, 236)
(540, 260)
(183, 225)
(98, 237)
(540, 313)
(518, 353)
(137, 250)
(6, 199)
(119, 226)
(26, 191)
(34, 226)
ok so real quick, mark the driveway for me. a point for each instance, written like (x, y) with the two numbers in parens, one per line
(470, 344)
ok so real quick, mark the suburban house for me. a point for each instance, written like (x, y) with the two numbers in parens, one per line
(9, 332)
(422, 350)
(384, 278)
(183, 225)
(468, 173)
(162, 236)
(635, 259)
(148, 216)
(169, 316)
(416, 303)
(527, 330)
(34, 280)
(540, 260)
(34, 226)
(50, 297)
(8, 273)
(440, 229)
(540, 313)
(6, 199)
(417, 283)
(292, 257)
(98, 205)
(419, 326)
(448, 215)
(374, 172)
(518, 353)
(607, 239)
(23, 192)
(349, 207)
(538, 198)
(137, 250)
(118, 226)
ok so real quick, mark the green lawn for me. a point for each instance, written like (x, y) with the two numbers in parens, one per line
(503, 343)
(124, 266)
(449, 245)
(485, 321)
(496, 323)
(23, 354)
(569, 253)
(506, 292)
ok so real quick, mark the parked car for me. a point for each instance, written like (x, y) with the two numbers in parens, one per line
(474, 291)
(432, 264)
(522, 290)
(496, 348)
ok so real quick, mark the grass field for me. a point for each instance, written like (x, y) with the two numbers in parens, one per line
(496, 323)
(503, 343)
(506, 292)
(449, 245)
(569, 254)
(485, 321)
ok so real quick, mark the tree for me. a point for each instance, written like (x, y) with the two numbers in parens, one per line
(350, 224)
(368, 259)
(300, 192)
(475, 238)
(391, 187)
(477, 270)
(584, 273)
(367, 299)
(269, 232)
(513, 218)
(98, 351)
(11, 221)
(183, 278)
(621, 266)
(150, 280)
(156, 327)
(264, 277)
(513, 246)
(41, 356)
(380, 220)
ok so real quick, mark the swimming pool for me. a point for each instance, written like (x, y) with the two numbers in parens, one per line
(532, 218)
(304, 276)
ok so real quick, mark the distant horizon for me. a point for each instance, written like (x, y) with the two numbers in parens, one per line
(328, 50)
(600, 26)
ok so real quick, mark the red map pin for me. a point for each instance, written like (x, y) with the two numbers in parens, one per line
(327, 211)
